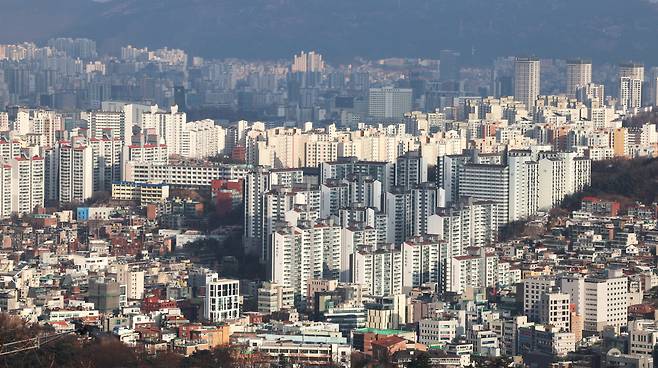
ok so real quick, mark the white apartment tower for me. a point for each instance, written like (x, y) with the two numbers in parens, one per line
(591, 94)
(527, 81)
(421, 261)
(379, 271)
(469, 223)
(9, 148)
(560, 174)
(308, 251)
(108, 123)
(631, 78)
(76, 172)
(4, 122)
(27, 183)
(5, 190)
(522, 185)
(201, 139)
(167, 126)
(256, 184)
(478, 269)
(551, 182)
(286, 206)
(153, 153)
(630, 93)
(43, 123)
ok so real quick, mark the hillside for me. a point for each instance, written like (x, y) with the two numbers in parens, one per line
(343, 29)
(626, 181)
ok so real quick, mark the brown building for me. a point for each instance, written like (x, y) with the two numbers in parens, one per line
(384, 349)
(214, 336)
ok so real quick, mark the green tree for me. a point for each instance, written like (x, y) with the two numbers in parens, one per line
(422, 360)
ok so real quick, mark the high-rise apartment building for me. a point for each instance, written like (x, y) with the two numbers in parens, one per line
(27, 178)
(630, 93)
(523, 184)
(579, 73)
(106, 158)
(465, 224)
(75, 170)
(364, 190)
(631, 79)
(560, 174)
(302, 199)
(389, 102)
(448, 172)
(652, 85)
(257, 183)
(490, 183)
(421, 261)
(449, 66)
(304, 252)
(334, 196)
(632, 71)
(399, 214)
(410, 170)
(379, 271)
(591, 94)
(425, 199)
(167, 126)
(43, 123)
(153, 153)
(201, 139)
(307, 62)
(306, 74)
(108, 124)
(5, 190)
(527, 81)
(384, 172)
(4, 121)
(477, 269)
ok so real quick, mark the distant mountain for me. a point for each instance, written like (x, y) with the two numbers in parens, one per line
(606, 30)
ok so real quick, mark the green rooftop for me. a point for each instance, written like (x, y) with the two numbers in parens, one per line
(382, 332)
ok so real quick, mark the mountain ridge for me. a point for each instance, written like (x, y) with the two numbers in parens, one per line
(610, 30)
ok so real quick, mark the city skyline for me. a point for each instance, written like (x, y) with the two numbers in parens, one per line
(214, 183)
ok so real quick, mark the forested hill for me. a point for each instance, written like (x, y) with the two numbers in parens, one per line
(608, 30)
